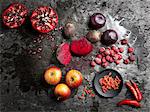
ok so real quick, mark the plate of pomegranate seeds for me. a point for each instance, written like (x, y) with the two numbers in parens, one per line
(108, 83)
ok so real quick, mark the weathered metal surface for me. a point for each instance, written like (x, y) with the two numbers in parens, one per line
(21, 72)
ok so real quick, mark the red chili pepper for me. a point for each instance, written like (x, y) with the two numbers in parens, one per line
(132, 89)
(140, 97)
(129, 102)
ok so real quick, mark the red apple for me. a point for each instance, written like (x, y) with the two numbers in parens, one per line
(74, 78)
(53, 75)
(62, 92)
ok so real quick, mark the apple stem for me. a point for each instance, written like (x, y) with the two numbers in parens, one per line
(58, 98)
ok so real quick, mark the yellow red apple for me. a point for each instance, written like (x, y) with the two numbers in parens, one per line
(74, 78)
(62, 92)
(53, 75)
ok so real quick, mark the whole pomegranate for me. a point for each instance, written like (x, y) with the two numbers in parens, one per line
(44, 19)
(14, 16)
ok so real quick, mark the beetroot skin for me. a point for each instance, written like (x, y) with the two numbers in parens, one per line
(63, 54)
(81, 47)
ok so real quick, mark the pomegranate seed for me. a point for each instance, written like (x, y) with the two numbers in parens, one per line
(131, 58)
(121, 50)
(93, 63)
(117, 62)
(107, 52)
(130, 49)
(99, 56)
(103, 59)
(105, 64)
(107, 58)
(98, 61)
(124, 41)
(119, 56)
(102, 49)
(126, 61)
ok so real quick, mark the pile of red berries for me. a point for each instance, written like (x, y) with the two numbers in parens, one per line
(113, 54)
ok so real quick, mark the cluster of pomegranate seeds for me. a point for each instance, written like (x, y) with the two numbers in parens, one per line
(113, 54)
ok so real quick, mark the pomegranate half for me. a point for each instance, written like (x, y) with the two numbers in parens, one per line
(14, 16)
(44, 19)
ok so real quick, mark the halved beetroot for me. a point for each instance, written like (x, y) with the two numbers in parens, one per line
(63, 54)
(81, 47)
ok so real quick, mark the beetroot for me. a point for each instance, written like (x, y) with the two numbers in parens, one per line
(81, 47)
(63, 54)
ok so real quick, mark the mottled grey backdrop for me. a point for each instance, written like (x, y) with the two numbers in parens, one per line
(21, 67)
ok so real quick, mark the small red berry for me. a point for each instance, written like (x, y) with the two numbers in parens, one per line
(126, 61)
(103, 59)
(116, 50)
(112, 53)
(117, 62)
(99, 56)
(116, 57)
(113, 47)
(107, 58)
(119, 56)
(111, 60)
(93, 63)
(132, 58)
(105, 64)
(121, 50)
(107, 52)
(130, 49)
(98, 61)
(102, 49)
(124, 41)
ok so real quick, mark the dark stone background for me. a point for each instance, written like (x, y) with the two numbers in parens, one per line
(21, 70)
